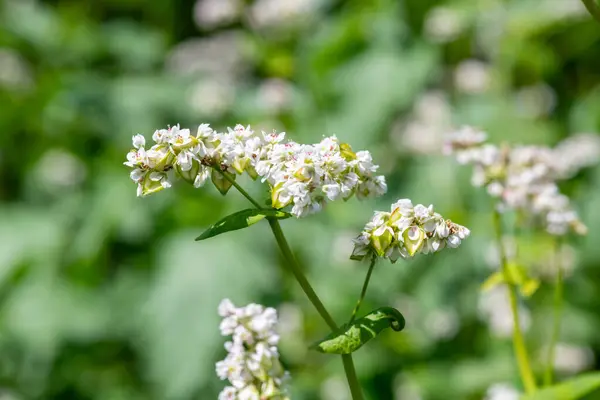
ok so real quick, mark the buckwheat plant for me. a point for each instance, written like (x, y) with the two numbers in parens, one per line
(301, 180)
(525, 180)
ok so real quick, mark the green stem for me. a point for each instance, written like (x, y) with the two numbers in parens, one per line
(364, 289)
(239, 188)
(558, 307)
(355, 389)
(520, 349)
(592, 8)
(299, 275)
(293, 265)
(314, 299)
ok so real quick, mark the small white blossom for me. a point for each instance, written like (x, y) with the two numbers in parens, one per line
(252, 364)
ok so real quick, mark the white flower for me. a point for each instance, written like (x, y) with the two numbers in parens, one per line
(229, 393)
(136, 158)
(406, 231)
(162, 136)
(179, 138)
(252, 364)
(465, 138)
(139, 141)
(185, 160)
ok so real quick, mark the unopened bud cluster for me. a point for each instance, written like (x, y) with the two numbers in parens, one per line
(406, 231)
(252, 364)
(303, 176)
(523, 178)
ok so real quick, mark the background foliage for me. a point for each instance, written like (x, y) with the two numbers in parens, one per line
(107, 296)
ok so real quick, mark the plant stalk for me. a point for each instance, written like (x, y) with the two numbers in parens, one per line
(294, 267)
(299, 275)
(364, 289)
(592, 8)
(527, 377)
(558, 307)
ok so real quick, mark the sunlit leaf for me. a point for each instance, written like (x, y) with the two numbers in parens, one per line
(352, 337)
(572, 389)
(529, 287)
(494, 280)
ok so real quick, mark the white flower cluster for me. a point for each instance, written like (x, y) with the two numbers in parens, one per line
(577, 152)
(252, 364)
(522, 177)
(406, 231)
(302, 175)
(307, 175)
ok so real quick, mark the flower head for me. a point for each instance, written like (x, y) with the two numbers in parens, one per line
(302, 176)
(405, 231)
(252, 364)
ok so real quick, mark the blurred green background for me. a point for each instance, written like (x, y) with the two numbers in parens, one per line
(107, 296)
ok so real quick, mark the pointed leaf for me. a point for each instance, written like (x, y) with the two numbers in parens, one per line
(240, 220)
(350, 338)
(517, 274)
(572, 389)
(494, 280)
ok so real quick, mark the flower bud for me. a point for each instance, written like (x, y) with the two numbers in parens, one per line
(221, 183)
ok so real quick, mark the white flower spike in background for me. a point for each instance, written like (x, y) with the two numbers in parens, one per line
(525, 178)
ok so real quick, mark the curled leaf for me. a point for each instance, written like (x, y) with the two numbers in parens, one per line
(240, 220)
(352, 337)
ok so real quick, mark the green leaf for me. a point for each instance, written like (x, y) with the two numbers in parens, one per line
(572, 389)
(516, 275)
(530, 286)
(241, 219)
(352, 337)
(494, 280)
